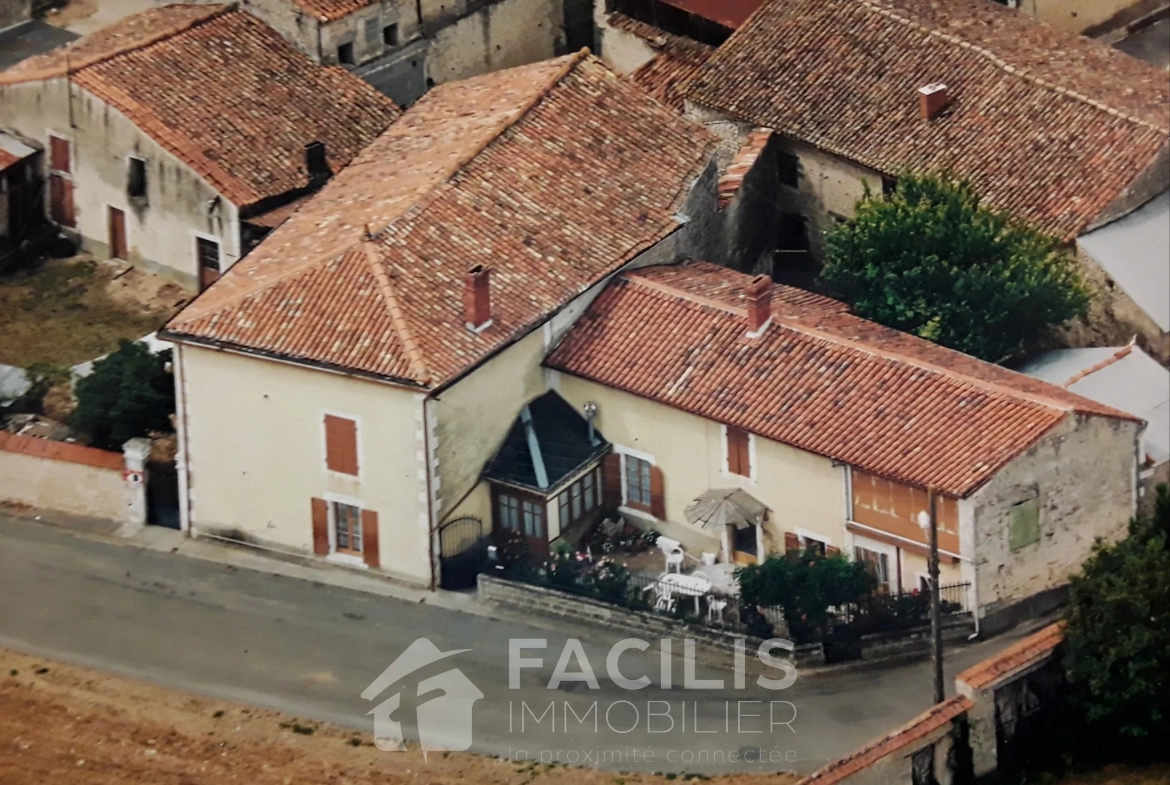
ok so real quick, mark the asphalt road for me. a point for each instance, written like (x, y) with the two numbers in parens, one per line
(312, 649)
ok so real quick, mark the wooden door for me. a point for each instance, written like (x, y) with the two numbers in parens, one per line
(525, 513)
(61, 200)
(118, 248)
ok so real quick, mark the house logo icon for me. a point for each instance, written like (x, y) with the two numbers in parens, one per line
(435, 708)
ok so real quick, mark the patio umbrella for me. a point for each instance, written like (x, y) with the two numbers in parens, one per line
(718, 508)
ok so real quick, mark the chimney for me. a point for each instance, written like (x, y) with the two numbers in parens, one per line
(759, 308)
(477, 298)
(315, 163)
(931, 100)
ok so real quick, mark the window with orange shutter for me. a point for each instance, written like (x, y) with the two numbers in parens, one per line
(341, 445)
(739, 459)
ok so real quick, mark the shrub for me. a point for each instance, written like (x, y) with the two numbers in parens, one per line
(931, 260)
(1118, 638)
(129, 394)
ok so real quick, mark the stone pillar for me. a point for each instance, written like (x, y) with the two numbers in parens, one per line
(136, 452)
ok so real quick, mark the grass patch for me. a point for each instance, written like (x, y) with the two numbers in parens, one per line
(59, 313)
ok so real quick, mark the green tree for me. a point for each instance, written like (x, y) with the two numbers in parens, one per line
(805, 585)
(129, 394)
(1118, 637)
(930, 260)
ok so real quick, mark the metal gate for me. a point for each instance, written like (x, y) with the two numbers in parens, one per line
(463, 544)
(1027, 722)
(162, 494)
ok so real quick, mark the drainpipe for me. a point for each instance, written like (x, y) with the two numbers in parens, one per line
(183, 445)
(431, 527)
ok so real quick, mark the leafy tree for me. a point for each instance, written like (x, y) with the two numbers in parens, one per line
(1118, 636)
(129, 393)
(805, 585)
(930, 260)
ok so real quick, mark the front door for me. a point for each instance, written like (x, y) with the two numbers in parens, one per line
(525, 513)
(746, 544)
(118, 249)
(61, 182)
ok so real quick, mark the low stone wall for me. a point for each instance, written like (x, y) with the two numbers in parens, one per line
(74, 479)
(712, 645)
(913, 642)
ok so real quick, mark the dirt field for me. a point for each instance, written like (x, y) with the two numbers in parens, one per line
(65, 311)
(61, 724)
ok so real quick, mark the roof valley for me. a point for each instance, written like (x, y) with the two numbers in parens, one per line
(1007, 67)
(397, 314)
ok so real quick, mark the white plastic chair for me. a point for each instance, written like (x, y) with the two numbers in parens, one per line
(675, 559)
(665, 601)
(715, 608)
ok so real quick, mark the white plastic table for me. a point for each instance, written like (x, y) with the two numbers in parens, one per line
(691, 585)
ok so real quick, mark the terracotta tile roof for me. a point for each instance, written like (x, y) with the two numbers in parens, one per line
(936, 717)
(331, 10)
(729, 13)
(224, 93)
(1014, 657)
(1047, 124)
(60, 451)
(678, 46)
(666, 75)
(741, 163)
(553, 175)
(836, 385)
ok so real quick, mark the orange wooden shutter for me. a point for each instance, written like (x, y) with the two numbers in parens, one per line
(791, 542)
(341, 448)
(611, 480)
(733, 450)
(657, 493)
(830, 550)
(745, 455)
(320, 527)
(370, 538)
(59, 154)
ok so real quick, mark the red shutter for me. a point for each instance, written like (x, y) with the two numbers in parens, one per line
(341, 448)
(370, 538)
(831, 551)
(732, 450)
(320, 527)
(791, 542)
(745, 454)
(739, 459)
(657, 494)
(611, 481)
(59, 154)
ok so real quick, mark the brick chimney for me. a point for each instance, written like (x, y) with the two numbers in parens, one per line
(477, 298)
(931, 100)
(759, 306)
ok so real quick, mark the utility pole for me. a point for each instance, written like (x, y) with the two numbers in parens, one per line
(935, 601)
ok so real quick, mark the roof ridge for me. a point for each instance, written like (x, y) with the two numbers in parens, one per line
(1005, 66)
(72, 67)
(397, 315)
(1116, 356)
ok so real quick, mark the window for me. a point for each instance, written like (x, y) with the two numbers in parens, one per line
(877, 563)
(345, 54)
(792, 233)
(341, 445)
(638, 493)
(789, 168)
(811, 542)
(889, 185)
(522, 514)
(347, 528)
(390, 35)
(580, 498)
(1025, 524)
(59, 155)
(136, 187)
(208, 253)
(739, 458)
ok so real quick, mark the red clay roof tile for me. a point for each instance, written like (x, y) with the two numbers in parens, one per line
(819, 378)
(60, 451)
(1014, 657)
(222, 92)
(553, 175)
(1047, 124)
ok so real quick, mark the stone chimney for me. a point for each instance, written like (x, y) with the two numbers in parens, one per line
(759, 305)
(316, 165)
(931, 100)
(477, 298)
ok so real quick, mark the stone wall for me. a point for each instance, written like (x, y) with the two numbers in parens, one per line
(14, 12)
(470, 38)
(1114, 318)
(1034, 523)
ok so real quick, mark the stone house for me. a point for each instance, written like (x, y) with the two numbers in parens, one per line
(14, 12)
(173, 136)
(1059, 130)
(706, 380)
(375, 350)
(403, 47)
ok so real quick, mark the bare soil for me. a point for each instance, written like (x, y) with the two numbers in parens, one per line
(61, 312)
(63, 724)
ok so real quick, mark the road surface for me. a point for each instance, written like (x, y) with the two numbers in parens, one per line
(312, 649)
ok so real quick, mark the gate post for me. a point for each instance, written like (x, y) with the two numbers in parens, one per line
(135, 452)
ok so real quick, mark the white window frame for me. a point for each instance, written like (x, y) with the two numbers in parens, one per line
(751, 476)
(146, 182)
(324, 442)
(809, 534)
(890, 552)
(644, 456)
(348, 559)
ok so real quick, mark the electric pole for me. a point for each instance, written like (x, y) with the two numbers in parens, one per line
(935, 601)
